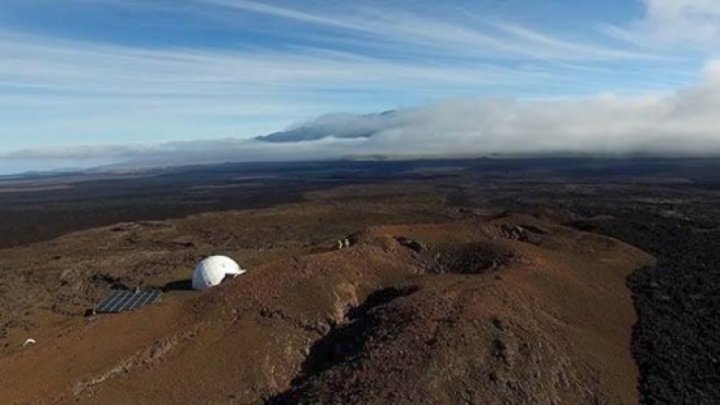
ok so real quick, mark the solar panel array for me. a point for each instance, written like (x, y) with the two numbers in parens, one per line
(122, 301)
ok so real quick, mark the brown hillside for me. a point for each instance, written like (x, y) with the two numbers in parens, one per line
(510, 309)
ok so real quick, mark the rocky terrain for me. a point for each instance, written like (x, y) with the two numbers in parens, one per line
(472, 314)
(470, 282)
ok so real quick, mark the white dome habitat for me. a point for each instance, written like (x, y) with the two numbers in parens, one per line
(213, 271)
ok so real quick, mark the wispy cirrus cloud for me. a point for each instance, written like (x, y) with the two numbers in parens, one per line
(89, 90)
(463, 34)
(476, 37)
(80, 66)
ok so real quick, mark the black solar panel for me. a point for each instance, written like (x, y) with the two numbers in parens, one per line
(127, 301)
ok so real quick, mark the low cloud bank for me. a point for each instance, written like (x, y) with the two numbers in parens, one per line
(684, 122)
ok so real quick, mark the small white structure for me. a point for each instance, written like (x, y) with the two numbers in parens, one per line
(29, 342)
(213, 271)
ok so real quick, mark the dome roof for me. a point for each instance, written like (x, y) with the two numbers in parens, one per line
(213, 270)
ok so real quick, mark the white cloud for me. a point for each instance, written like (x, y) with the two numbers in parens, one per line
(712, 71)
(681, 122)
(680, 23)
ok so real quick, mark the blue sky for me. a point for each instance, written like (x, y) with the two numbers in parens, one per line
(84, 82)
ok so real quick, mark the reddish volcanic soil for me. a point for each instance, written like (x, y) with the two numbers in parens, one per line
(495, 309)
